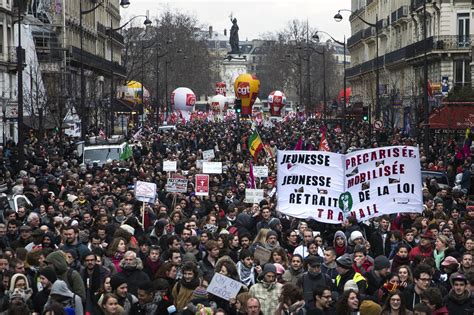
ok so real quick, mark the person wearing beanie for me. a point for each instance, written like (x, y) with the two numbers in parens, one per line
(272, 240)
(368, 307)
(356, 238)
(377, 276)
(118, 283)
(47, 278)
(58, 261)
(346, 273)
(268, 290)
(312, 280)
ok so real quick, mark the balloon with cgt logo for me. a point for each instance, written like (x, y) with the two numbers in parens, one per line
(246, 87)
(183, 100)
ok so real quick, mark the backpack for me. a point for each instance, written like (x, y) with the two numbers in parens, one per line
(70, 308)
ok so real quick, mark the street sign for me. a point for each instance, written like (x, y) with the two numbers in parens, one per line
(378, 125)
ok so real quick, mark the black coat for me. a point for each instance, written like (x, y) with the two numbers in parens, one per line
(376, 244)
(309, 282)
(460, 306)
(134, 277)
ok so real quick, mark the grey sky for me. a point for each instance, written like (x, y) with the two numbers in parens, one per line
(255, 17)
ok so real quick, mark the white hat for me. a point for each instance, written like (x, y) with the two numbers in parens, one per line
(128, 228)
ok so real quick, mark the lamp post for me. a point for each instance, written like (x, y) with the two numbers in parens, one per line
(85, 118)
(338, 18)
(323, 53)
(4, 119)
(426, 111)
(20, 54)
(300, 74)
(111, 30)
(343, 43)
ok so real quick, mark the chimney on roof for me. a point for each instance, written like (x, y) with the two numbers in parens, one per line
(225, 32)
(210, 31)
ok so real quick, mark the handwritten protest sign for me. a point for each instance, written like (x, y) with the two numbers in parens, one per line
(169, 166)
(145, 191)
(224, 287)
(253, 195)
(208, 155)
(212, 167)
(329, 187)
(260, 171)
(176, 185)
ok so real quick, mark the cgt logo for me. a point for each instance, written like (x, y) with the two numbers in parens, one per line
(190, 99)
(243, 89)
(277, 99)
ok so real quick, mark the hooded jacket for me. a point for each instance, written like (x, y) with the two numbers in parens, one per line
(340, 250)
(60, 288)
(134, 273)
(71, 277)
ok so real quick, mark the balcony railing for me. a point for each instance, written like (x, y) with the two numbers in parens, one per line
(416, 4)
(452, 42)
(354, 38)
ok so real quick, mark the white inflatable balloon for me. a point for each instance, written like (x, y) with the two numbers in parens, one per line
(183, 99)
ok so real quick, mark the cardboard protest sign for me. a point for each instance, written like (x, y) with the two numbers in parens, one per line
(176, 185)
(262, 254)
(202, 185)
(145, 191)
(169, 166)
(212, 167)
(329, 187)
(224, 287)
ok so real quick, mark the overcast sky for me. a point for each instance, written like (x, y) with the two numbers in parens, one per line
(255, 17)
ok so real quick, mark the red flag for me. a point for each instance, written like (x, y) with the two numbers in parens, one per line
(251, 178)
(324, 145)
(299, 144)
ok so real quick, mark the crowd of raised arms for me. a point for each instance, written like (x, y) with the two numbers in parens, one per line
(86, 245)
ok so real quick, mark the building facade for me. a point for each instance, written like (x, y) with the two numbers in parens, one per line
(401, 52)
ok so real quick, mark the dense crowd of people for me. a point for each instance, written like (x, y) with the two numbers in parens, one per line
(86, 245)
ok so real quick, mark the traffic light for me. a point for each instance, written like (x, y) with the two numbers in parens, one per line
(365, 117)
(238, 106)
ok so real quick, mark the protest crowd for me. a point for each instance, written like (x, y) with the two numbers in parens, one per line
(86, 245)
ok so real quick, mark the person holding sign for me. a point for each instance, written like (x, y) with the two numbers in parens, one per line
(267, 291)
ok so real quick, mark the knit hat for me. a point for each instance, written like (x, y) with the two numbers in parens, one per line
(271, 233)
(368, 307)
(117, 280)
(345, 261)
(314, 260)
(268, 268)
(355, 235)
(200, 293)
(189, 257)
(49, 273)
(381, 262)
(273, 223)
(351, 285)
(279, 268)
(428, 235)
(161, 284)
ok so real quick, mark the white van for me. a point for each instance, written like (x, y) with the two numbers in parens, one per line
(101, 153)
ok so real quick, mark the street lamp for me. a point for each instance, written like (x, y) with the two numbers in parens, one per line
(111, 30)
(4, 119)
(83, 110)
(299, 65)
(426, 111)
(338, 18)
(343, 43)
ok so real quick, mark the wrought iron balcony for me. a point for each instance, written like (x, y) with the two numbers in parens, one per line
(351, 41)
(452, 42)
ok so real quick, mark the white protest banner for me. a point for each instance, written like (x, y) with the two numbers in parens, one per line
(260, 171)
(145, 191)
(208, 155)
(224, 287)
(212, 167)
(253, 195)
(169, 166)
(202, 185)
(329, 187)
(176, 185)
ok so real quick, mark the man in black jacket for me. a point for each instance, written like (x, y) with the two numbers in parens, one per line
(421, 281)
(380, 239)
(312, 280)
(459, 300)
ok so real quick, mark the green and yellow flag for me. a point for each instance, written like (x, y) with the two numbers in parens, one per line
(255, 144)
(127, 153)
